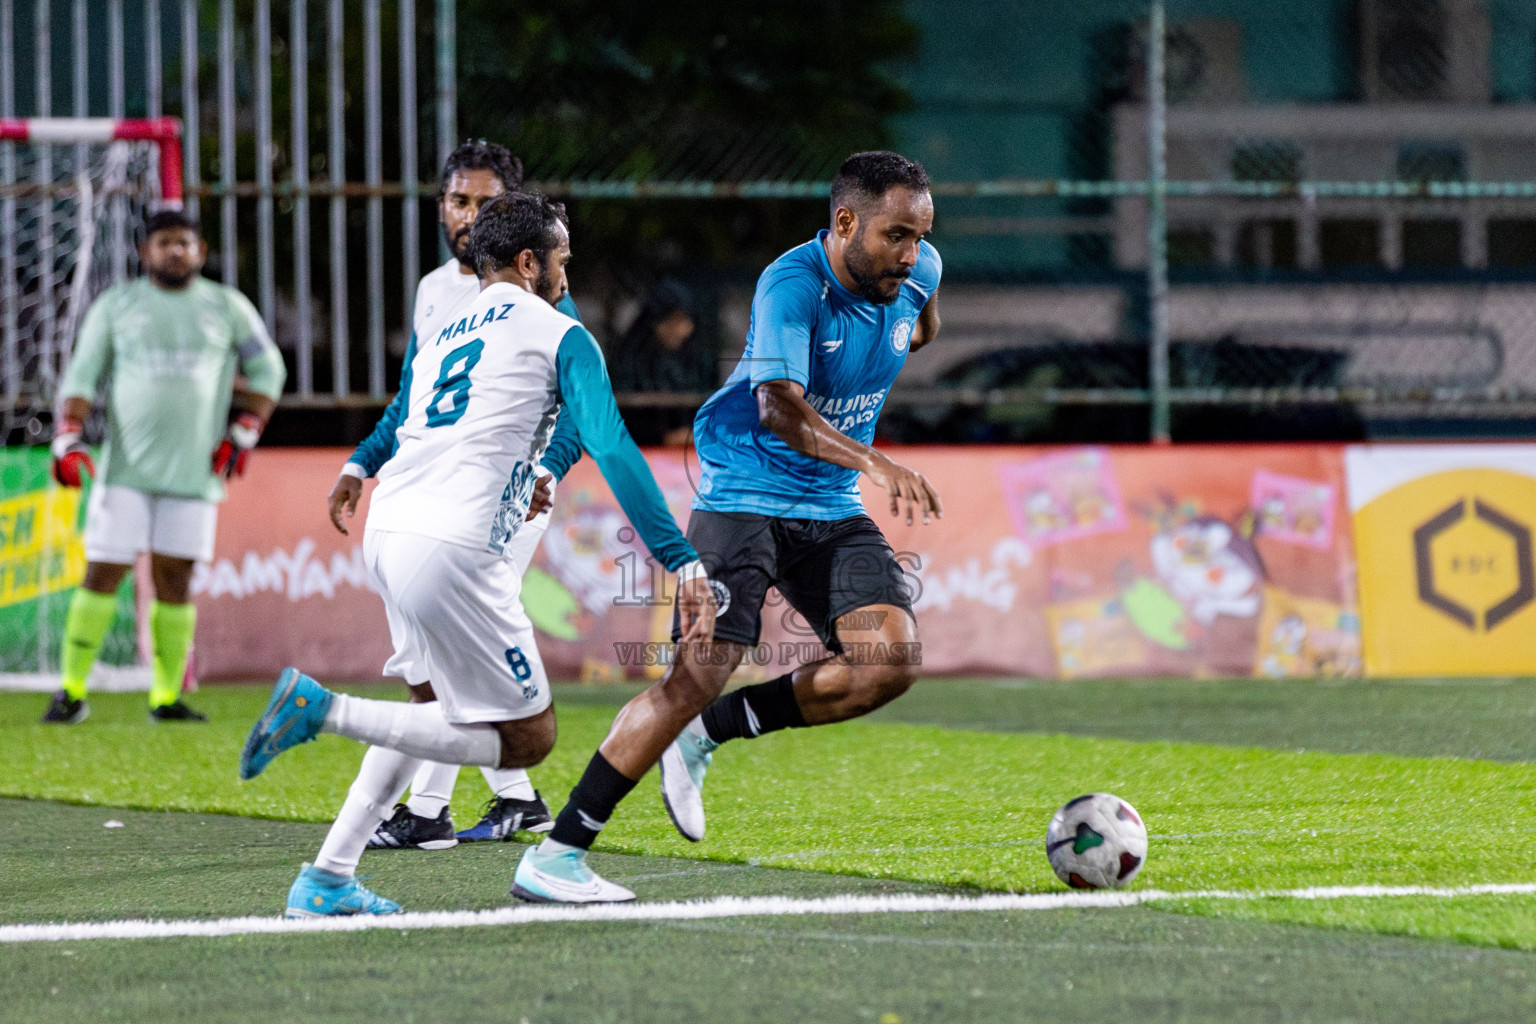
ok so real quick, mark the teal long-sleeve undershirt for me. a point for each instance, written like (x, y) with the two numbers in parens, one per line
(588, 398)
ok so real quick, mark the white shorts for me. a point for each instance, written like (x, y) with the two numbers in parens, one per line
(122, 522)
(455, 620)
(409, 661)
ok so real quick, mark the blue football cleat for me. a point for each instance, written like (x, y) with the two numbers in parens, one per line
(506, 816)
(319, 893)
(293, 716)
(563, 877)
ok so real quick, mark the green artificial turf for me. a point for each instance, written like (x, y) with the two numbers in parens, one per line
(1133, 964)
(1483, 718)
(916, 803)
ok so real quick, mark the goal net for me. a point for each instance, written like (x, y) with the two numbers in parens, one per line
(74, 195)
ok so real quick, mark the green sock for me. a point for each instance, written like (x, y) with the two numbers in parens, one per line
(171, 626)
(90, 616)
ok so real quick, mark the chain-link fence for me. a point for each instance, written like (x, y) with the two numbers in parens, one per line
(1344, 201)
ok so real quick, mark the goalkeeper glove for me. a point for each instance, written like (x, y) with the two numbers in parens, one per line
(70, 456)
(230, 457)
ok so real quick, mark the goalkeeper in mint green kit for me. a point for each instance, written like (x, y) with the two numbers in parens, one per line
(169, 345)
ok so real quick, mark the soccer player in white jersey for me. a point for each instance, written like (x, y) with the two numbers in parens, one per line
(486, 391)
(170, 343)
(474, 173)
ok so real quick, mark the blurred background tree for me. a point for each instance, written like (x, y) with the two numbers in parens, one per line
(614, 90)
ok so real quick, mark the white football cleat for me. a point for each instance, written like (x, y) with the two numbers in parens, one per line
(683, 765)
(563, 877)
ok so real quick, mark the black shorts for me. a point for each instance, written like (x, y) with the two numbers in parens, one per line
(823, 568)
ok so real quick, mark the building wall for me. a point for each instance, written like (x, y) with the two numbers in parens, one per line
(1022, 88)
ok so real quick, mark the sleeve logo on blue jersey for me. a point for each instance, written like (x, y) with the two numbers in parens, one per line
(901, 335)
(831, 345)
(722, 597)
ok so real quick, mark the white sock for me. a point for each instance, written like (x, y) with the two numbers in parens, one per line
(696, 726)
(432, 788)
(378, 786)
(553, 846)
(512, 783)
(419, 730)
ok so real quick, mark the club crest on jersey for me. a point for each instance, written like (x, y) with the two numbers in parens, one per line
(901, 335)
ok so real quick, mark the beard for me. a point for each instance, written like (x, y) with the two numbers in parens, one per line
(867, 280)
(458, 244)
(166, 279)
(544, 288)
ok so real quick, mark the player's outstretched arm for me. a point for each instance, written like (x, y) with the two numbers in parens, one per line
(588, 397)
(783, 410)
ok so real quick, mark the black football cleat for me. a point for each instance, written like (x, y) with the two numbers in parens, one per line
(177, 712)
(64, 710)
(407, 831)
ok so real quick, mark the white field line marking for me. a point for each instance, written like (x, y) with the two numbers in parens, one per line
(725, 906)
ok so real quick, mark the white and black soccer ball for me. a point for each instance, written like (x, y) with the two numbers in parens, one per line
(1096, 842)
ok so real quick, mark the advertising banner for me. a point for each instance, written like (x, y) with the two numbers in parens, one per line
(42, 560)
(284, 588)
(1447, 584)
(1052, 563)
(1087, 562)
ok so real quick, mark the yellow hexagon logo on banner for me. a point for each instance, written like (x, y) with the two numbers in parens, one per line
(1447, 576)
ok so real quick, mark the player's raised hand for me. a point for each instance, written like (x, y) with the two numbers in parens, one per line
(696, 605)
(543, 496)
(909, 490)
(72, 460)
(343, 498)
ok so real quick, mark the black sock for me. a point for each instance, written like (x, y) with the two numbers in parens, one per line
(754, 710)
(591, 803)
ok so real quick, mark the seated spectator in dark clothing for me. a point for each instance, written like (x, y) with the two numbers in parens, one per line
(661, 353)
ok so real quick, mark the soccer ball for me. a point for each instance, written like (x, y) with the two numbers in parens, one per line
(1096, 842)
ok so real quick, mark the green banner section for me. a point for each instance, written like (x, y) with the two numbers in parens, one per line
(42, 561)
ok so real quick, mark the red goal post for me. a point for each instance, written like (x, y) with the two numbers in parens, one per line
(163, 132)
(69, 214)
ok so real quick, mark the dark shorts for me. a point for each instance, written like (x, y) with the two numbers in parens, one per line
(823, 568)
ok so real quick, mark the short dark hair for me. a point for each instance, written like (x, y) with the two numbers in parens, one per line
(170, 220)
(510, 223)
(865, 178)
(479, 155)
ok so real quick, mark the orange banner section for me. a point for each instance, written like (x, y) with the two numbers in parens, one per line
(1049, 562)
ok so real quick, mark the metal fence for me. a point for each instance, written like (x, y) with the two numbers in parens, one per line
(252, 183)
(1212, 256)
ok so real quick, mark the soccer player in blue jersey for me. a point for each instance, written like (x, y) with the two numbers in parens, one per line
(781, 447)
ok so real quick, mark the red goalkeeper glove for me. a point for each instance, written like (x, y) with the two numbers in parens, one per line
(71, 459)
(230, 457)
